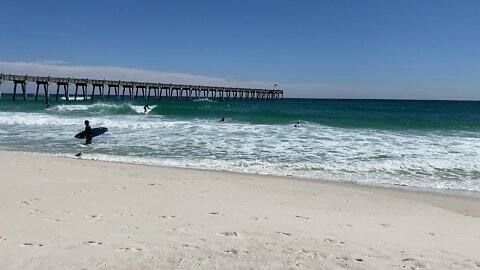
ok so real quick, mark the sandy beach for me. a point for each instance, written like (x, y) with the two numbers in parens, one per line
(61, 213)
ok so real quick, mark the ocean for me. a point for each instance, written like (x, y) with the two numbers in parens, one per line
(420, 144)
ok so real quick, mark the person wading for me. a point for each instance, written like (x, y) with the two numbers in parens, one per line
(88, 133)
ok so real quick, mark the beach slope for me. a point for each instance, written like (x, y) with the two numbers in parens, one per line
(60, 213)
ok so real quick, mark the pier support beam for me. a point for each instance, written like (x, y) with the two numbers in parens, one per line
(100, 90)
(160, 92)
(155, 90)
(45, 90)
(84, 90)
(176, 91)
(65, 89)
(143, 88)
(23, 84)
(116, 88)
(130, 91)
(179, 93)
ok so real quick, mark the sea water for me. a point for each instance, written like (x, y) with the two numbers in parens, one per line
(423, 144)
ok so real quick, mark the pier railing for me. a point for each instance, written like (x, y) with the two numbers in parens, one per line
(132, 89)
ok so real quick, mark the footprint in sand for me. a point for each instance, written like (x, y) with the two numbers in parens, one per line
(64, 212)
(130, 227)
(190, 246)
(2, 238)
(413, 263)
(128, 249)
(120, 188)
(387, 226)
(52, 219)
(228, 234)
(91, 243)
(342, 259)
(153, 184)
(177, 230)
(231, 251)
(435, 234)
(215, 213)
(33, 212)
(258, 218)
(94, 218)
(166, 217)
(302, 217)
(81, 191)
(328, 240)
(343, 225)
(24, 203)
(31, 245)
(283, 233)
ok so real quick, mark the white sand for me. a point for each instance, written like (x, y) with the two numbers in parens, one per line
(59, 213)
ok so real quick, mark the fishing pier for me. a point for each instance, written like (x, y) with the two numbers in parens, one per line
(119, 90)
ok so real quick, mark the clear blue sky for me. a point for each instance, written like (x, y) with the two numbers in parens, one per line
(372, 49)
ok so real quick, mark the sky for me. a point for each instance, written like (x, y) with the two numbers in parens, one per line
(400, 49)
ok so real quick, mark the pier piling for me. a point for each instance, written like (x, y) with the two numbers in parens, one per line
(45, 89)
(1, 81)
(65, 89)
(23, 84)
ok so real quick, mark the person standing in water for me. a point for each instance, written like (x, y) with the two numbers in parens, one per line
(145, 108)
(88, 133)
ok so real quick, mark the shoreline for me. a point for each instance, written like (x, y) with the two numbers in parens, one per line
(430, 190)
(64, 213)
(381, 187)
(446, 199)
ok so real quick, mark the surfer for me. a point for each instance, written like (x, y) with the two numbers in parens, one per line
(222, 120)
(48, 105)
(88, 133)
(145, 108)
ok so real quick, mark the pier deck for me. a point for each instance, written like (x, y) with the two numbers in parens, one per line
(132, 89)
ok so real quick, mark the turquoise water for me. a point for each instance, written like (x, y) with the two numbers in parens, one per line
(428, 144)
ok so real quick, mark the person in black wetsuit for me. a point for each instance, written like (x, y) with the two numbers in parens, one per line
(88, 132)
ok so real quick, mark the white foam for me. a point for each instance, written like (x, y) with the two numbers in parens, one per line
(82, 107)
(72, 98)
(140, 109)
(436, 159)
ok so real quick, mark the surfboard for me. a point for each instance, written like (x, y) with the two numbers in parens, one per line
(95, 132)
